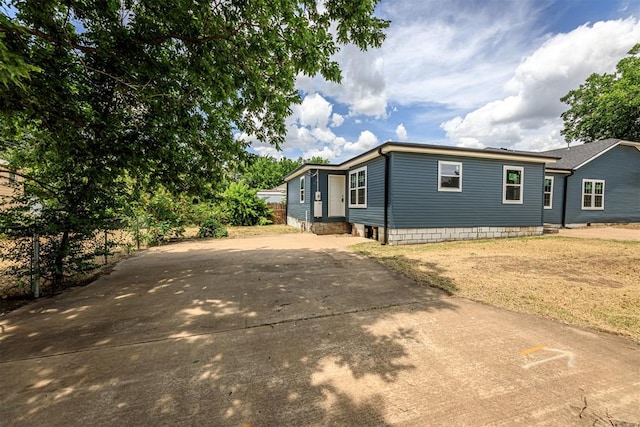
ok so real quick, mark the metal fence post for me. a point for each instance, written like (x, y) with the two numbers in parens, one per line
(35, 283)
(137, 233)
(106, 248)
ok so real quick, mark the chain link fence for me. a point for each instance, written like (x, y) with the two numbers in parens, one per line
(24, 271)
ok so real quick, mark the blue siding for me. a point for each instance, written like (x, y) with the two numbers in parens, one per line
(620, 168)
(295, 209)
(554, 215)
(416, 202)
(373, 214)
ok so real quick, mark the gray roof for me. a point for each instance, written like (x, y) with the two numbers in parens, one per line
(571, 158)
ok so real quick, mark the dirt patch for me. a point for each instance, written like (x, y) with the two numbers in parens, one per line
(590, 283)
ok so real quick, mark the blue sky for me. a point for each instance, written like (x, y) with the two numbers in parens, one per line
(462, 73)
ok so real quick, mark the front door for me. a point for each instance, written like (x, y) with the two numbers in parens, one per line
(336, 195)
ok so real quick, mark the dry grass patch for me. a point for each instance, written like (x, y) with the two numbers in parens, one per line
(585, 282)
(260, 230)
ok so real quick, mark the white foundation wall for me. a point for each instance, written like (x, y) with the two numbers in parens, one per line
(295, 222)
(407, 236)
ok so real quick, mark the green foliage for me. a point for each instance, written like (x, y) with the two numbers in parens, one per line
(264, 172)
(161, 217)
(104, 100)
(211, 227)
(317, 160)
(240, 205)
(606, 105)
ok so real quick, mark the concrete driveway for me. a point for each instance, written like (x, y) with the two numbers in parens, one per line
(296, 330)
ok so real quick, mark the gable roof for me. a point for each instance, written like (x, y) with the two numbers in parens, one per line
(575, 157)
(403, 147)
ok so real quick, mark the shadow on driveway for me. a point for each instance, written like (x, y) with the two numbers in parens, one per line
(212, 335)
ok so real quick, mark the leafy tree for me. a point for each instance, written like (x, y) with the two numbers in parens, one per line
(606, 105)
(317, 160)
(264, 172)
(104, 100)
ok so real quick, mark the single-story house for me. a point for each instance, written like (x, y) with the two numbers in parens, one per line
(274, 195)
(402, 193)
(598, 182)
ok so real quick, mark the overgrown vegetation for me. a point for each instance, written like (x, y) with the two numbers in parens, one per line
(129, 111)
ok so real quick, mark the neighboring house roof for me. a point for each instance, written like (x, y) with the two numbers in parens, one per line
(402, 147)
(572, 158)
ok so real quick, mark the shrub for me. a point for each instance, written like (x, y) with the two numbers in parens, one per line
(211, 227)
(241, 205)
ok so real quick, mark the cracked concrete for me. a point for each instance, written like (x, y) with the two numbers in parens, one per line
(297, 330)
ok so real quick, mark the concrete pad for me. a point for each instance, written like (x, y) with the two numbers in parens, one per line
(296, 330)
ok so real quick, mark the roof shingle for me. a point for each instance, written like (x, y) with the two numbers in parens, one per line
(573, 157)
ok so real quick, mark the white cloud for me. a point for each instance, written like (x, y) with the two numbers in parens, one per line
(528, 117)
(325, 153)
(363, 83)
(455, 55)
(336, 120)
(366, 140)
(314, 111)
(401, 132)
(265, 150)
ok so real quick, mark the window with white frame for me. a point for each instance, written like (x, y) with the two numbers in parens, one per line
(358, 188)
(512, 178)
(548, 192)
(302, 189)
(593, 194)
(449, 176)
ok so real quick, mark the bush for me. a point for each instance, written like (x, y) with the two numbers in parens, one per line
(211, 227)
(241, 205)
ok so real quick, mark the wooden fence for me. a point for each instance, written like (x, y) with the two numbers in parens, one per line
(279, 213)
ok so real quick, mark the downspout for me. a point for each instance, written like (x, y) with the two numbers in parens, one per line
(385, 238)
(564, 200)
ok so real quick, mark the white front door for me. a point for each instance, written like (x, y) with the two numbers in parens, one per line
(336, 195)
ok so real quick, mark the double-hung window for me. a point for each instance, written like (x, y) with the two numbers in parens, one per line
(449, 176)
(512, 189)
(358, 188)
(548, 192)
(592, 194)
(302, 189)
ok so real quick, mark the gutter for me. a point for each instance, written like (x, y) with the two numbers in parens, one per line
(385, 238)
(564, 197)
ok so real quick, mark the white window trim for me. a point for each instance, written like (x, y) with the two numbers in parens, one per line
(366, 183)
(448, 189)
(302, 189)
(592, 208)
(550, 194)
(505, 168)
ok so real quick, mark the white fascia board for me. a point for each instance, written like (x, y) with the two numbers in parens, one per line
(597, 155)
(621, 142)
(463, 153)
(551, 170)
(306, 168)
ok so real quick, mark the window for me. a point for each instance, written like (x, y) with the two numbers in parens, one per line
(592, 194)
(449, 176)
(512, 178)
(548, 192)
(302, 189)
(358, 188)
